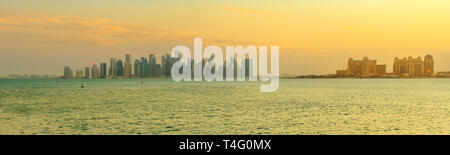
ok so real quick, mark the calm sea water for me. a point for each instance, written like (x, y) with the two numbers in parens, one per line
(300, 106)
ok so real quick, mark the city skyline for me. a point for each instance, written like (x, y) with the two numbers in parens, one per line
(37, 37)
(141, 68)
(254, 68)
(149, 68)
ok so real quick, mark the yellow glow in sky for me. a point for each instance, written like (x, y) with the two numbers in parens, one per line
(315, 36)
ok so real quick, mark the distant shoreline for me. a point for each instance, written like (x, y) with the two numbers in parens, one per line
(3, 78)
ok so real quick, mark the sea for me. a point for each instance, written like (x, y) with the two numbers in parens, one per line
(166, 107)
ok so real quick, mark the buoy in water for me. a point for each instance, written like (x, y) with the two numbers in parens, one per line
(82, 85)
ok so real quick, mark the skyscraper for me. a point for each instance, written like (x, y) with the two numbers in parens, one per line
(230, 67)
(158, 70)
(137, 65)
(127, 66)
(112, 67)
(166, 64)
(95, 71)
(163, 65)
(127, 58)
(152, 65)
(102, 70)
(67, 71)
(87, 72)
(249, 70)
(127, 70)
(119, 68)
(170, 62)
(79, 74)
(428, 65)
(144, 68)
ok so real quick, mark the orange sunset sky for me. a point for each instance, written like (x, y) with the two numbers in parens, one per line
(315, 36)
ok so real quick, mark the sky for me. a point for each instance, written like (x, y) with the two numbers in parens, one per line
(315, 36)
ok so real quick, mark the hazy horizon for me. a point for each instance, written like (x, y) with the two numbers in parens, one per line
(315, 36)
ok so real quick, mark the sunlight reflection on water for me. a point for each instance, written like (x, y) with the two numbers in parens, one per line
(300, 106)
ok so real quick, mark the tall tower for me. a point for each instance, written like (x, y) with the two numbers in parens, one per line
(127, 66)
(79, 74)
(163, 65)
(87, 72)
(112, 67)
(102, 70)
(95, 71)
(144, 67)
(168, 67)
(152, 63)
(127, 58)
(67, 72)
(119, 68)
(137, 66)
(428, 65)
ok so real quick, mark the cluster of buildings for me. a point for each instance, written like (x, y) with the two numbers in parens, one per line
(407, 67)
(363, 68)
(148, 68)
(29, 76)
(140, 68)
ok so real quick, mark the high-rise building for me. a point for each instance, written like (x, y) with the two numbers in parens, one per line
(166, 65)
(171, 62)
(95, 71)
(127, 70)
(87, 72)
(249, 70)
(144, 68)
(67, 72)
(428, 65)
(79, 74)
(112, 67)
(163, 65)
(137, 69)
(231, 65)
(102, 70)
(127, 66)
(119, 68)
(152, 65)
(158, 70)
(128, 58)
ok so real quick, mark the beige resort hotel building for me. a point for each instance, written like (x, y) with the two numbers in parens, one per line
(406, 67)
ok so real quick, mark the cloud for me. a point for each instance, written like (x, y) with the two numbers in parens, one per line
(83, 31)
(249, 11)
(100, 31)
